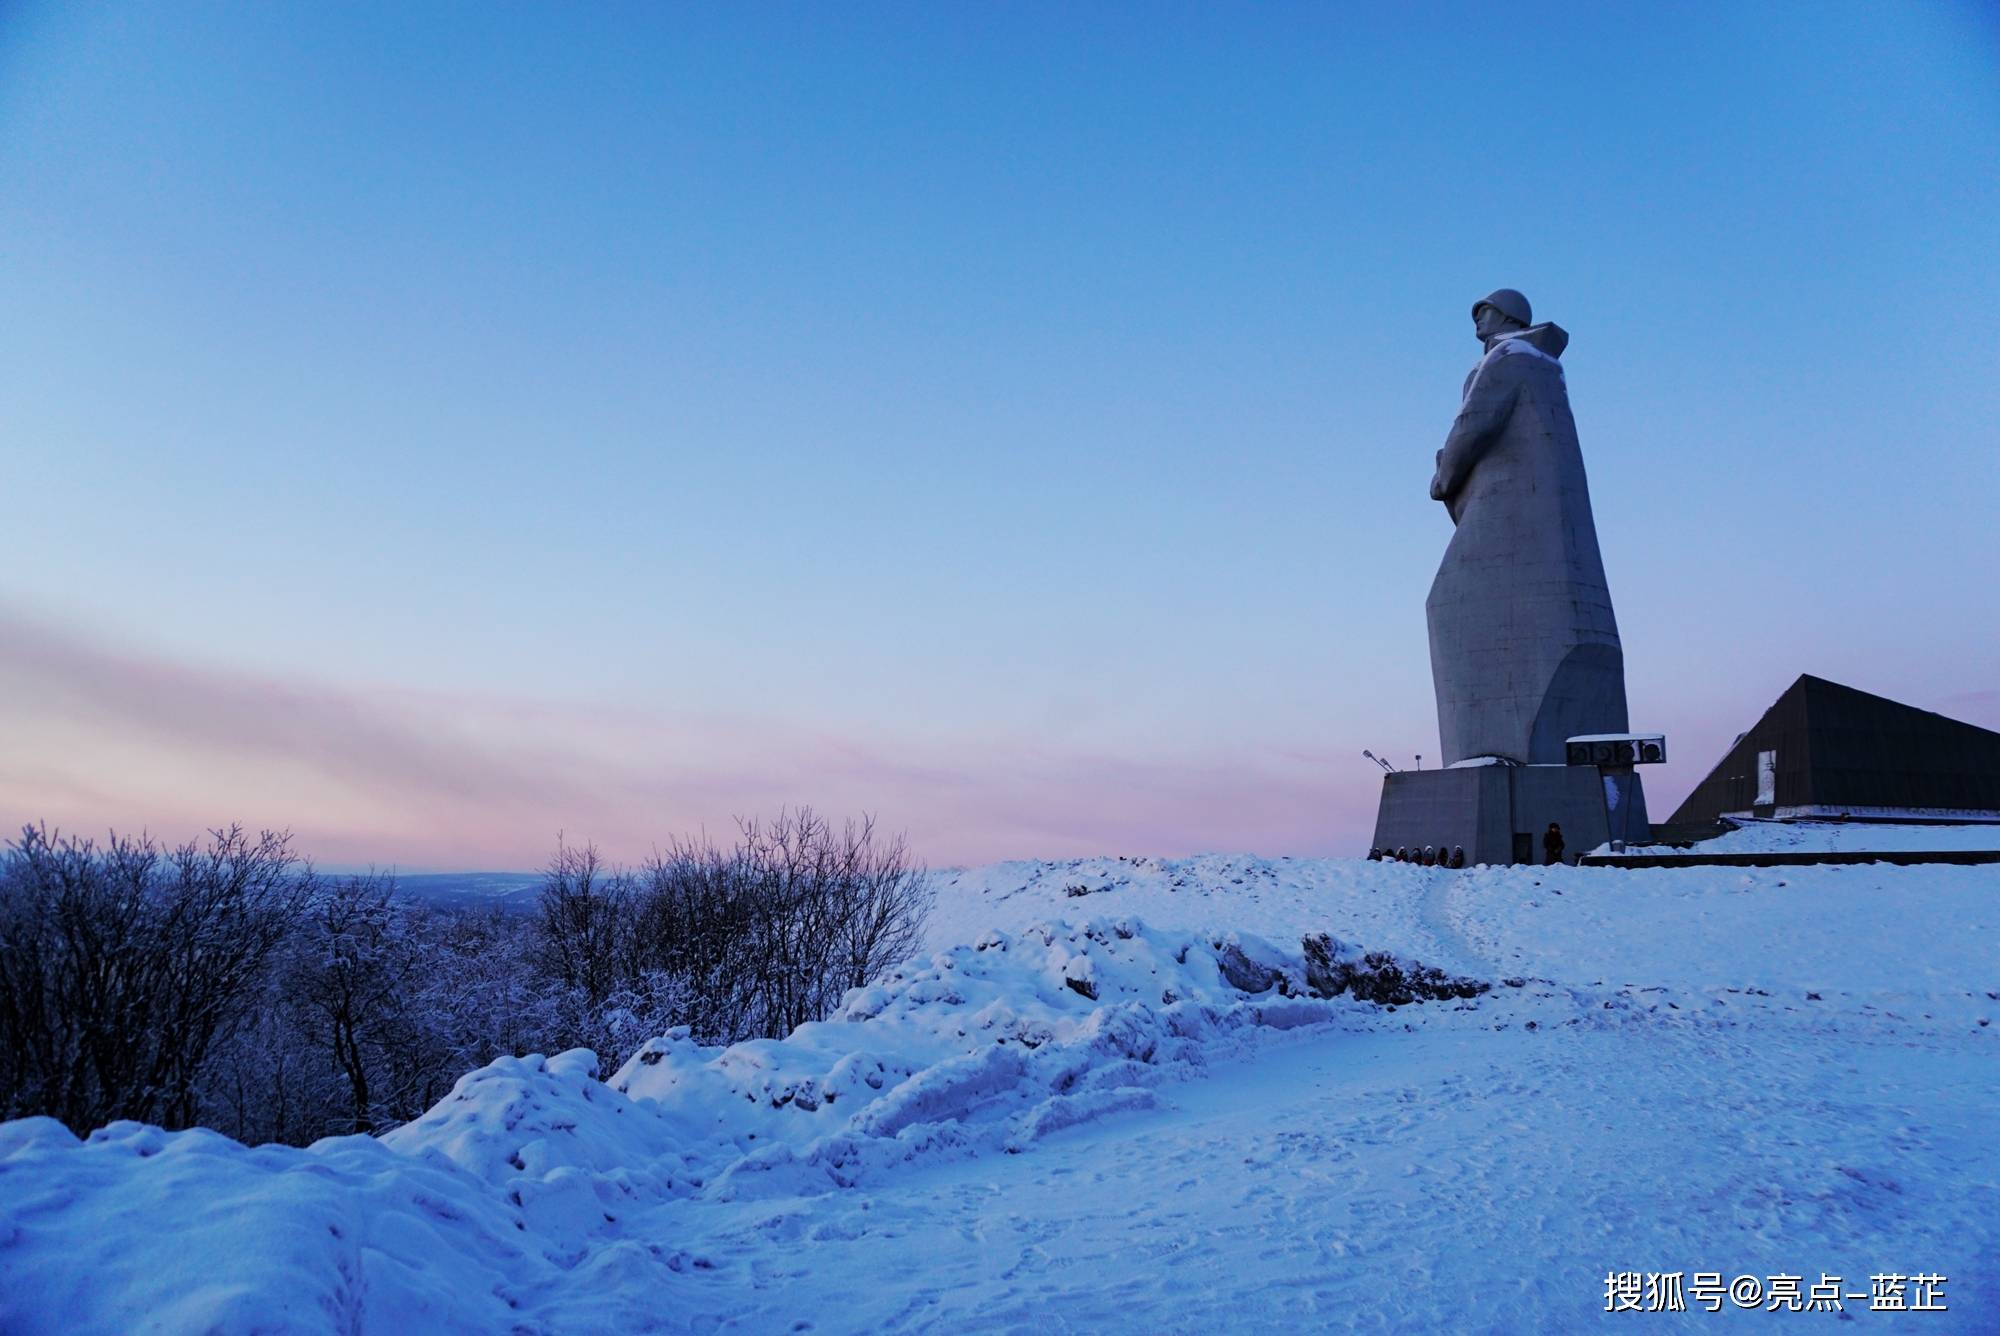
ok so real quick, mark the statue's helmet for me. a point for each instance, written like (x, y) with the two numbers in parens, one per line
(1508, 303)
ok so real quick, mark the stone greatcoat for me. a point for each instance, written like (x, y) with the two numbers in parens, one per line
(1524, 647)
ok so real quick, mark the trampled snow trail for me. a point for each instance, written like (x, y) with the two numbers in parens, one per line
(1438, 916)
(1444, 1178)
(1074, 1118)
(1474, 1167)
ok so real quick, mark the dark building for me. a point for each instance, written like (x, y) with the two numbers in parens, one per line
(1829, 751)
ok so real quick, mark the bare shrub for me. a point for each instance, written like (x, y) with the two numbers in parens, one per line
(581, 953)
(228, 985)
(351, 982)
(582, 911)
(770, 932)
(123, 968)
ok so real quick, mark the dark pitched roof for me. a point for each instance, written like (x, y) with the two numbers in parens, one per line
(1840, 748)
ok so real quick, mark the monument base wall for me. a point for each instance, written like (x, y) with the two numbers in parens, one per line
(1497, 813)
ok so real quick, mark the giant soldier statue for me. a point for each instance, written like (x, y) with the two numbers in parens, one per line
(1524, 649)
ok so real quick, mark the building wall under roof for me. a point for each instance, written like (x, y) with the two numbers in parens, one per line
(1838, 749)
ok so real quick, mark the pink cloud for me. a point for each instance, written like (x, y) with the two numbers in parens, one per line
(106, 736)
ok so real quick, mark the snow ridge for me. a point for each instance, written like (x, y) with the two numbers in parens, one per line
(532, 1173)
(985, 1046)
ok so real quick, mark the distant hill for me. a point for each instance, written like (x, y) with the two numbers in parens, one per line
(473, 890)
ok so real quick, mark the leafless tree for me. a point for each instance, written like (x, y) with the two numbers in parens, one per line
(225, 984)
(123, 967)
(352, 981)
(768, 933)
(581, 908)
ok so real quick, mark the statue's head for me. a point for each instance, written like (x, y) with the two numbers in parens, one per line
(1500, 312)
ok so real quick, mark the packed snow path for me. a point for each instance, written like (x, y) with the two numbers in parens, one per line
(1073, 1117)
(1441, 1180)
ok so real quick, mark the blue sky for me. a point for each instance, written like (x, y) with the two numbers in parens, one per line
(429, 427)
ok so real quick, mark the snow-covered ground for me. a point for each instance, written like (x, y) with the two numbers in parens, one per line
(1844, 837)
(1073, 1117)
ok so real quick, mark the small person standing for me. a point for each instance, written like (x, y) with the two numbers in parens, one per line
(1552, 844)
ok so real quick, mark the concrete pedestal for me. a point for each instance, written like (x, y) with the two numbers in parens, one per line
(1497, 813)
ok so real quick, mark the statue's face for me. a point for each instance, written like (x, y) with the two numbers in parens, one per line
(1488, 321)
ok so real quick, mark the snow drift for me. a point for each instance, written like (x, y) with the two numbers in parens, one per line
(531, 1169)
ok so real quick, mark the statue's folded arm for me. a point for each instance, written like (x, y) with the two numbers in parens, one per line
(1480, 422)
